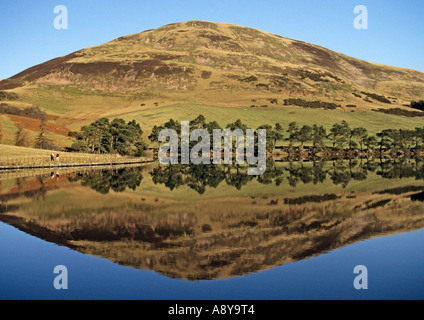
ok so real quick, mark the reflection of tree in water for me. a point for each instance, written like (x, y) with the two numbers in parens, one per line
(201, 176)
(318, 173)
(237, 177)
(404, 168)
(197, 177)
(370, 166)
(271, 174)
(19, 190)
(340, 172)
(35, 194)
(117, 180)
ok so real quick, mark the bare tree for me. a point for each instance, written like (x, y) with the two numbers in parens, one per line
(42, 141)
(21, 137)
(1, 132)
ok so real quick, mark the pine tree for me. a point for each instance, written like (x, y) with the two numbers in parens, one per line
(304, 135)
(361, 134)
(137, 144)
(292, 131)
(318, 135)
(278, 133)
(370, 142)
(154, 135)
(198, 123)
(119, 132)
(385, 139)
(419, 137)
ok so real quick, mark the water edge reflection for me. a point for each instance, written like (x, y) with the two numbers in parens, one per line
(128, 215)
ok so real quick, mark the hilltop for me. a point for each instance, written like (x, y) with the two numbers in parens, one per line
(221, 70)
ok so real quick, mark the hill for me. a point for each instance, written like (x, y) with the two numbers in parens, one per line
(176, 69)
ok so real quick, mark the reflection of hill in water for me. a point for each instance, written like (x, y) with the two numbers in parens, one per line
(232, 244)
(208, 238)
(207, 245)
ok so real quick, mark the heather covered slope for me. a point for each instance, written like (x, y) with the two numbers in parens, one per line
(198, 63)
(194, 55)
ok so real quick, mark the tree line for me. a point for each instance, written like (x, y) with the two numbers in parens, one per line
(274, 134)
(341, 136)
(104, 136)
(126, 138)
(117, 180)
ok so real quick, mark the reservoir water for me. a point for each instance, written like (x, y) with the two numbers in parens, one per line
(160, 233)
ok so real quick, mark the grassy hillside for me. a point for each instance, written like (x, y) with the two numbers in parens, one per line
(13, 151)
(30, 157)
(253, 117)
(223, 71)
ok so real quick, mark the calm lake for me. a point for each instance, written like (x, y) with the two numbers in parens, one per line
(215, 233)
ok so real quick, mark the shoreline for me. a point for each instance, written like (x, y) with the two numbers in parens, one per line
(279, 155)
(73, 165)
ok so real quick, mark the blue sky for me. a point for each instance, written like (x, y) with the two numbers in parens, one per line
(394, 35)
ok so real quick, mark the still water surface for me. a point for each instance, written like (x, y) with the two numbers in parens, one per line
(213, 233)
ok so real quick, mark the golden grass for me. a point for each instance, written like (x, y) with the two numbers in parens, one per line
(12, 156)
(222, 97)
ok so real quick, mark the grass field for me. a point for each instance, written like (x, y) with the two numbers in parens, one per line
(13, 151)
(21, 156)
(254, 117)
(149, 116)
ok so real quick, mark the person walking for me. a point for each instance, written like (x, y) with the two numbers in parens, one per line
(57, 157)
(52, 157)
